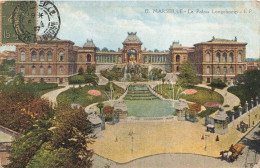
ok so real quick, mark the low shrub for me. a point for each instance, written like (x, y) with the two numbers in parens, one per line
(218, 83)
(77, 79)
(207, 112)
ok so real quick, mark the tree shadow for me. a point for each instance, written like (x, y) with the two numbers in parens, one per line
(254, 143)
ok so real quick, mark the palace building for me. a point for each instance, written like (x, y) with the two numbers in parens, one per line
(57, 60)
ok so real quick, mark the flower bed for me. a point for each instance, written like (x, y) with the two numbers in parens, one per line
(94, 92)
(190, 91)
(212, 104)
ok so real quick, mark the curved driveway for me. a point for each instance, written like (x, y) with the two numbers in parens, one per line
(229, 98)
(52, 95)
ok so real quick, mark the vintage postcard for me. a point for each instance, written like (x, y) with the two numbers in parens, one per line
(129, 84)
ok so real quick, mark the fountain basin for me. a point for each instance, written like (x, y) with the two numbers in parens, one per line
(150, 108)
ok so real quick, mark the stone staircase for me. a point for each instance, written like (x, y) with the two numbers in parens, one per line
(139, 92)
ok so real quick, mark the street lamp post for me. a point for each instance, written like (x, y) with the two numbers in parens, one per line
(206, 141)
(132, 144)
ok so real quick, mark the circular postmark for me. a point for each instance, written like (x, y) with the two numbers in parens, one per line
(34, 22)
(48, 24)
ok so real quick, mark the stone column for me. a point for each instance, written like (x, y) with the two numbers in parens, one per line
(246, 106)
(256, 99)
(252, 103)
(240, 110)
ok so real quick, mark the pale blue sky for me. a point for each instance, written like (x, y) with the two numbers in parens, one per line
(107, 23)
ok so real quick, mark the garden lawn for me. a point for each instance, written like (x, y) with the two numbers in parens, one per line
(202, 96)
(239, 91)
(81, 96)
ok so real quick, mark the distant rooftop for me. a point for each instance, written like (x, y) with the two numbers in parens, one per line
(132, 38)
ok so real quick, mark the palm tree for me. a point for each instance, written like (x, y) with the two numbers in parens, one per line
(100, 105)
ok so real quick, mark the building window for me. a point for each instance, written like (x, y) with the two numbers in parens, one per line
(225, 69)
(225, 57)
(22, 56)
(33, 70)
(41, 56)
(207, 57)
(49, 55)
(240, 69)
(231, 58)
(22, 69)
(41, 70)
(208, 69)
(177, 68)
(33, 55)
(49, 69)
(218, 70)
(61, 69)
(61, 56)
(218, 57)
(231, 69)
(178, 58)
(88, 58)
(239, 57)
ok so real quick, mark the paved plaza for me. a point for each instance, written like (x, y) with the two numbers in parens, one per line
(151, 138)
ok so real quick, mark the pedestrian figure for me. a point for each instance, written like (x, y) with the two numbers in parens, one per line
(238, 127)
(217, 138)
(116, 139)
(225, 94)
(256, 116)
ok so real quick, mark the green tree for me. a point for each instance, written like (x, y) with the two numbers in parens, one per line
(80, 72)
(18, 80)
(59, 142)
(77, 79)
(187, 75)
(104, 49)
(100, 105)
(2, 80)
(218, 83)
(156, 50)
(91, 69)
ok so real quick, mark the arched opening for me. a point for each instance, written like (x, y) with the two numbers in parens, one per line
(218, 70)
(231, 59)
(22, 56)
(41, 55)
(22, 69)
(208, 69)
(33, 70)
(178, 58)
(41, 70)
(88, 58)
(207, 57)
(225, 57)
(61, 69)
(49, 69)
(218, 57)
(231, 70)
(225, 69)
(61, 56)
(132, 56)
(177, 68)
(33, 55)
(239, 57)
(49, 55)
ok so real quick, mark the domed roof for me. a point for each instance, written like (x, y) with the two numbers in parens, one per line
(132, 38)
(221, 114)
(89, 43)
